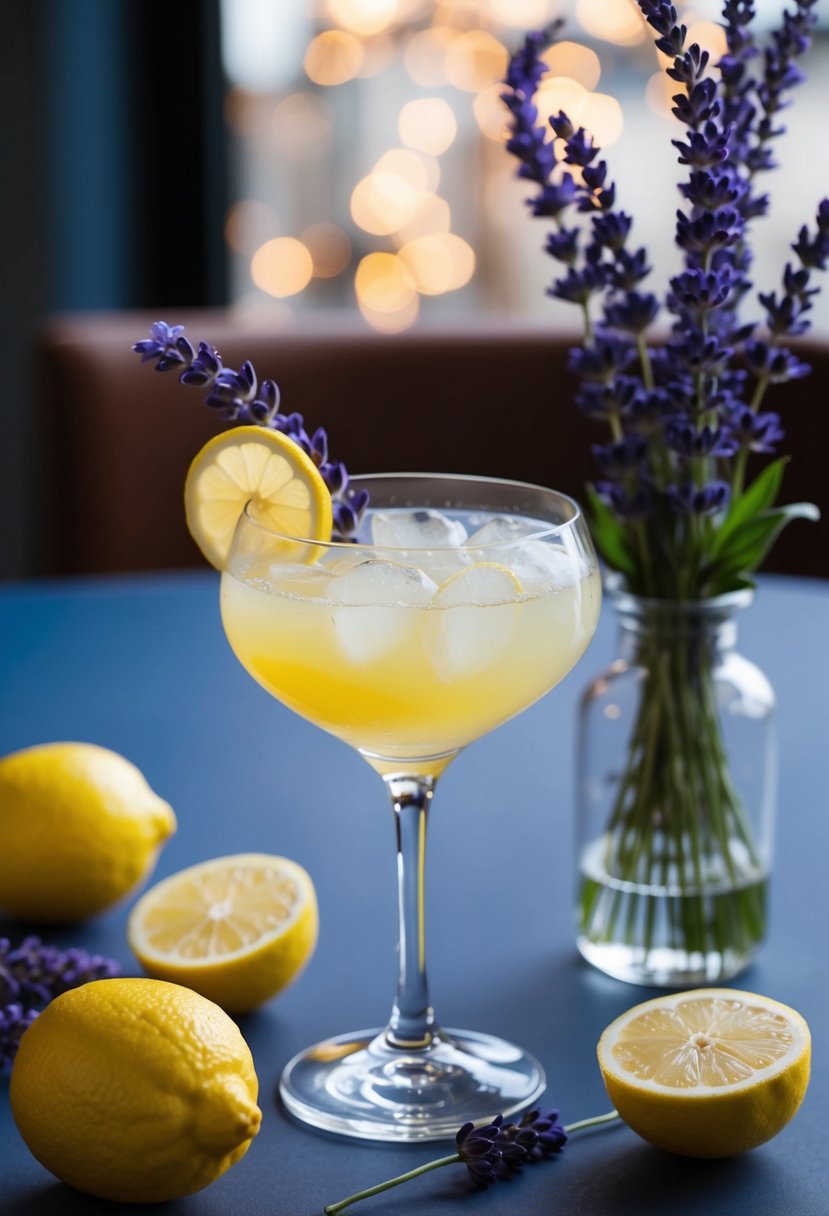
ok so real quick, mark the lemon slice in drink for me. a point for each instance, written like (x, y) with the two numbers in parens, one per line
(707, 1073)
(258, 465)
(483, 583)
(236, 929)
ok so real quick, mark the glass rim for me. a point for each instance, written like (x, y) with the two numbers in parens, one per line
(553, 529)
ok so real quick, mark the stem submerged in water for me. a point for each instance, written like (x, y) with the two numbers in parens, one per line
(678, 866)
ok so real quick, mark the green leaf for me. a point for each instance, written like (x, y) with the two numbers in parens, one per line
(609, 535)
(757, 497)
(748, 544)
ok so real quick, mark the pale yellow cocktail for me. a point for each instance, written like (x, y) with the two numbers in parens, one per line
(404, 664)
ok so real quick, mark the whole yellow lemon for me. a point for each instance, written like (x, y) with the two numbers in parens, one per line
(80, 828)
(135, 1090)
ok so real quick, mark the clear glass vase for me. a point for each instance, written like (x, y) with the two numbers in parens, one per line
(676, 786)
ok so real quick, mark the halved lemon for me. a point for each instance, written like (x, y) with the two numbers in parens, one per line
(707, 1073)
(236, 929)
(258, 465)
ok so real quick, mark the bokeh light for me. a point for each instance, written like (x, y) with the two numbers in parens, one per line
(438, 263)
(364, 17)
(659, 92)
(385, 291)
(474, 60)
(561, 93)
(432, 214)
(329, 247)
(301, 126)
(490, 112)
(618, 21)
(424, 56)
(249, 224)
(282, 267)
(427, 124)
(710, 36)
(418, 171)
(602, 116)
(522, 14)
(333, 57)
(382, 203)
(575, 61)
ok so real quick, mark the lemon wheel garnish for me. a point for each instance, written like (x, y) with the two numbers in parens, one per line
(236, 929)
(707, 1073)
(258, 465)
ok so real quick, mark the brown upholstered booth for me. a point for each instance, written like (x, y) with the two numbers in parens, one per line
(490, 398)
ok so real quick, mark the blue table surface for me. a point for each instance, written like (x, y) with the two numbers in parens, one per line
(140, 664)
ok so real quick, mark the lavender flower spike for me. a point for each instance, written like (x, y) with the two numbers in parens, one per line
(238, 396)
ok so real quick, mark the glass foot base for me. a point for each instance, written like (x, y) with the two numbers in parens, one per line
(359, 1085)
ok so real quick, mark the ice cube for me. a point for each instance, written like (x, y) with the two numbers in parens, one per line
(540, 566)
(373, 605)
(305, 579)
(477, 618)
(421, 529)
(504, 529)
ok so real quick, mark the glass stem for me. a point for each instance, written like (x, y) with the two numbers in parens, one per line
(412, 1023)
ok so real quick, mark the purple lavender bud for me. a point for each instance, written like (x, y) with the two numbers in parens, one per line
(612, 231)
(690, 499)
(777, 364)
(700, 292)
(579, 148)
(319, 447)
(553, 199)
(578, 286)
(550, 1135)
(14, 1021)
(756, 432)
(704, 148)
(629, 269)
(608, 355)
(633, 313)
(710, 230)
(627, 504)
(563, 245)
(622, 457)
(476, 1149)
(562, 126)
(335, 477)
(686, 440)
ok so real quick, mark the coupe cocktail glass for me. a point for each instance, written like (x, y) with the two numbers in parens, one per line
(465, 601)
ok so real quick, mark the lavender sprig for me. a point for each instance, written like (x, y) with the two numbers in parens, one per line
(493, 1152)
(31, 975)
(238, 396)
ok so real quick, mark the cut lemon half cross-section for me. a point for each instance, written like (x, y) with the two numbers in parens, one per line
(707, 1073)
(236, 929)
(264, 467)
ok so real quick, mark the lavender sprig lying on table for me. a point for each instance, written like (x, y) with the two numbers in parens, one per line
(671, 508)
(238, 396)
(492, 1153)
(31, 975)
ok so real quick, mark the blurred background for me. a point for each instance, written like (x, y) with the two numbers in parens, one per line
(284, 159)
